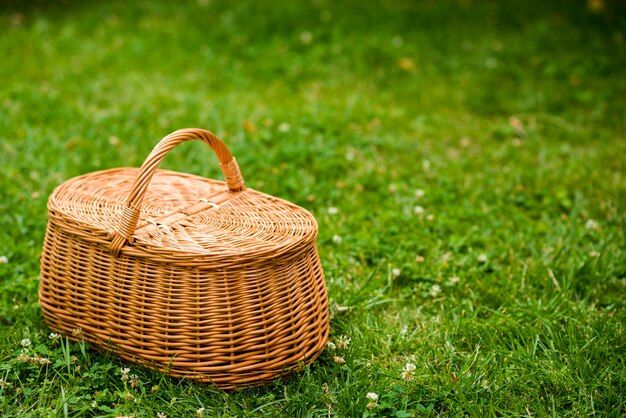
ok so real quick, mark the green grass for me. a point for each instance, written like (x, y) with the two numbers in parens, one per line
(509, 116)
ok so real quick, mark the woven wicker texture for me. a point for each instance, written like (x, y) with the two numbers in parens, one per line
(201, 278)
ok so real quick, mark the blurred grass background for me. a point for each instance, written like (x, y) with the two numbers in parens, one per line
(464, 159)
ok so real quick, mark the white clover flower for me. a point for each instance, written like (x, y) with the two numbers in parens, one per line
(418, 210)
(407, 372)
(372, 396)
(339, 359)
(343, 342)
(594, 254)
(25, 342)
(419, 193)
(284, 127)
(419, 258)
(591, 224)
(161, 415)
(337, 239)
(94, 404)
(482, 258)
(200, 412)
(331, 345)
(125, 371)
(396, 272)
(134, 381)
(54, 336)
(435, 290)
(333, 210)
(453, 280)
(23, 357)
(430, 217)
(3, 259)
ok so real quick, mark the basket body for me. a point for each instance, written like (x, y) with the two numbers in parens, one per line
(212, 284)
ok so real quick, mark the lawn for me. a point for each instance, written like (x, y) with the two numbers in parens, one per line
(465, 161)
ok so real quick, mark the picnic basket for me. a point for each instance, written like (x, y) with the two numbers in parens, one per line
(200, 278)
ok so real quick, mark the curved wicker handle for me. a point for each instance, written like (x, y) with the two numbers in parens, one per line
(130, 216)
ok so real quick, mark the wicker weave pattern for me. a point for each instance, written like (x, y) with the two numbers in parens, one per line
(201, 278)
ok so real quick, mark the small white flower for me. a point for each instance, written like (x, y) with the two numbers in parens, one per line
(115, 141)
(591, 224)
(23, 357)
(134, 381)
(44, 361)
(396, 272)
(594, 254)
(372, 396)
(125, 371)
(435, 290)
(3, 259)
(333, 210)
(25, 342)
(331, 345)
(407, 372)
(419, 258)
(430, 217)
(419, 193)
(454, 279)
(284, 127)
(392, 188)
(339, 360)
(336, 239)
(343, 342)
(306, 37)
(482, 258)
(161, 415)
(54, 336)
(200, 412)
(418, 210)
(94, 404)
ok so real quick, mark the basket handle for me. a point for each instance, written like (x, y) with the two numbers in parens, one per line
(130, 216)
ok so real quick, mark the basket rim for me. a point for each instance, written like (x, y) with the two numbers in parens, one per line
(60, 217)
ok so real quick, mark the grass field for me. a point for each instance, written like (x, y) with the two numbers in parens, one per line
(465, 161)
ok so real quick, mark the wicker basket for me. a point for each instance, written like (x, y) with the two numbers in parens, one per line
(201, 278)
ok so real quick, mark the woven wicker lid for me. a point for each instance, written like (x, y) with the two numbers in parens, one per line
(149, 212)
